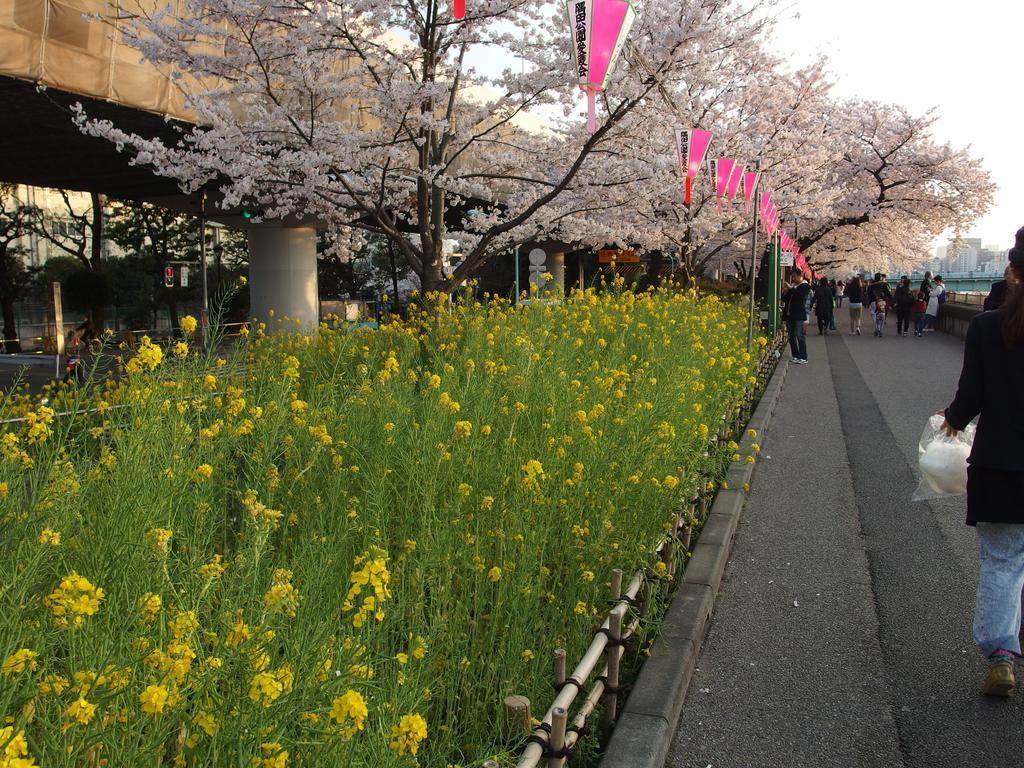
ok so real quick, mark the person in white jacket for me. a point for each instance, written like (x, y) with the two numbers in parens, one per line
(935, 299)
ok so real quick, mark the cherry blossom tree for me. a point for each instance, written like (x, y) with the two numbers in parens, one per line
(858, 182)
(361, 115)
(757, 110)
(896, 190)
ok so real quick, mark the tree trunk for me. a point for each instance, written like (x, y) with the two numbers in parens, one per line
(10, 325)
(394, 273)
(172, 307)
(96, 259)
(652, 278)
(432, 278)
(11, 343)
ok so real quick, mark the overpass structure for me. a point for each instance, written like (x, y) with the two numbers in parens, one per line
(56, 53)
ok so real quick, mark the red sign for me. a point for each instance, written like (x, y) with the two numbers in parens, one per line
(169, 276)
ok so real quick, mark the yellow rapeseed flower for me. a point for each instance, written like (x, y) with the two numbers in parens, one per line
(153, 700)
(407, 735)
(349, 711)
(80, 711)
(273, 756)
(19, 661)
(49, 537)
(15, 750)
(73, 599)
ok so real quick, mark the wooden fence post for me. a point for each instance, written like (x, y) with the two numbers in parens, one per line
(612, 683)
(559, 668)
(558, 718)
(517, 717)
(616, 585)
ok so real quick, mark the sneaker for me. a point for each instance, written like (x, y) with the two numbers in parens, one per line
(801, 361)
(794, 359)
(858, 331)
(1000, 680)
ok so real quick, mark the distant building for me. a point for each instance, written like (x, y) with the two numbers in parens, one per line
(965, 260)
(59, 212)
(991, 259)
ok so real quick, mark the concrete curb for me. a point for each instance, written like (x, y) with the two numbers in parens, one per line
(644, 730)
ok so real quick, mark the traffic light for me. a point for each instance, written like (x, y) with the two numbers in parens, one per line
(168, 276)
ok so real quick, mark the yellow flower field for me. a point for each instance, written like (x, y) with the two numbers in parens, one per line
(344, 548)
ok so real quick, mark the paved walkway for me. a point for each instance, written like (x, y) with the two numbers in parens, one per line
(841, 636)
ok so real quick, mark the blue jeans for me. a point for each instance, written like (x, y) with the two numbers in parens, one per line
(797, 339)
(997, 615)
(919, 321)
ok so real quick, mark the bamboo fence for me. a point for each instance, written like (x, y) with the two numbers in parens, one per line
(554, 740)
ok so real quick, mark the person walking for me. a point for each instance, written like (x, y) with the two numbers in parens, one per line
(932, 312)
(926, 288)
(855, 295)
(840, 287)
(926, 284)
(794, 312)
(991, 387)
(936, 299)
(904, 305)
(821, 303)
(879, 296)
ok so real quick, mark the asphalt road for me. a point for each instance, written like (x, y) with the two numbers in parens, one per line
(25, 369)
(842, 633)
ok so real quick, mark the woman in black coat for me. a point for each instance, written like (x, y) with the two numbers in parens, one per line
(992, 388)
(822, 305)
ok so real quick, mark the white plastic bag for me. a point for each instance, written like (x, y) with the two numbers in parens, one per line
(943, 461)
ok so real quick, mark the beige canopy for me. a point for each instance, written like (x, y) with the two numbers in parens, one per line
(62, 43)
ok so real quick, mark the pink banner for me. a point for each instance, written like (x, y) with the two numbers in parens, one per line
(599, 29)
(700, 141)
(734, 181)
(691, 148)
(750, 179)
(725, 166)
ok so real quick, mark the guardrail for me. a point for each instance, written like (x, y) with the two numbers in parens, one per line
(955, 316)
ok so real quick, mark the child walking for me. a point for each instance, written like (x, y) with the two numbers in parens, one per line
(919, 308)
(881, 306)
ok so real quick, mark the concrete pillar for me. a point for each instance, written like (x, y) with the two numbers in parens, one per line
(282, 274)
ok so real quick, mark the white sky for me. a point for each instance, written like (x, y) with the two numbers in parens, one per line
(966, 59)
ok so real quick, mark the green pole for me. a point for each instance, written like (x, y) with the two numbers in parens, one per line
(770, 284)
(515, 257)
(778, 282)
